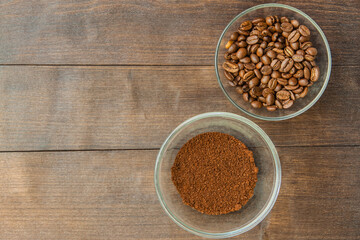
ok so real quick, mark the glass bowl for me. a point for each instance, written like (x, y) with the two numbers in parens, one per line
(323, 60)
(265, 192)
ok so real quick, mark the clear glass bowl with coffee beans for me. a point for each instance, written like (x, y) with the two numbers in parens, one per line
(271, 63)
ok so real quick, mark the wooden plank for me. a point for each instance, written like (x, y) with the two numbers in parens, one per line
(153, 32)
(110, 195)
(58, 108)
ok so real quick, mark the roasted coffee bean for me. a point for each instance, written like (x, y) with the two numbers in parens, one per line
(278, 88)
(245, 26)
(271, 108)
(228, 75)
(284, 20)
(315, 74)
(281, 57)
(241, 66)
(266, 70)
(263, 45)
(289, 51)
(256, 104)
(313, 63)
(272, 83)
(307, 73)
(279, 45)
(295, 23)
(275, 64)
(251, 99)
(262, 99)
(245, 96)
(286, 75)
(288, 104)
(309, 57)
(255, 92)
(294, 45)
(275, 74)
(241, 53)
(298, 65)
(304, 46)
(239, 90)
(265, 33)
(228, 44)
(271, 54)
(254, 58)
(234, 36)
(292, 81)
(287, 27)
(265, 60)
(278, 104)
(304, 31)
(245, 88)
(278, 51)
(252, 39)
(270, 99)
(265, 79)
(249, 75)
(242, 44)
(282, 81)
(303, 82)
(234, 57)
(310, 84)
(267, 91)
(254, 82)
(227, 56)
(303, 39)
(304, 92)
(254, 48)
(230, 67)
(298, 58)
(274, 37)
(294, 36)
(258, 73)
(299, 74)
(260, 52)
(261, 26)
(270, 20)
(242, 73)
(292, 71)
(262, 85)
(267, 38)
(231, 83)
(290, 88)
(300, 52)
(298, 90)
(283, 95)
(241, 38)
(237, 79)
(282, 39)
(285, 34)
(242, 32)
(277, 27)
(307, 64)
(245, 60)
(259, 65)
(286, 65)
(257, 20)
(249, 66)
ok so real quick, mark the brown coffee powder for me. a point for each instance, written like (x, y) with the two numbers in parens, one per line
(215, 173)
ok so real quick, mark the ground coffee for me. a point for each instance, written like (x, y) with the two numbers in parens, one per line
(215, 173)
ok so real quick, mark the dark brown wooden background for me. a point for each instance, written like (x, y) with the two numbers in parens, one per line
(89, 90)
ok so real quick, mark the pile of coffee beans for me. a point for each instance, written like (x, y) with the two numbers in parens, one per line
(271, 62)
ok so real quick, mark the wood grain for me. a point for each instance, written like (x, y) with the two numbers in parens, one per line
(58, 108)
(110, 195)
(148, 32)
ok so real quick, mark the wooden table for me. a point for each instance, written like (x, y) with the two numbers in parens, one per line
(89, 90)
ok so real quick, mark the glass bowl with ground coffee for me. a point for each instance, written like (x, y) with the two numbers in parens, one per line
(217, 175)
(273, 62)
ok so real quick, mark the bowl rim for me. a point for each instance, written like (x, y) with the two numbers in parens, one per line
(267, 206)
(327, 77)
